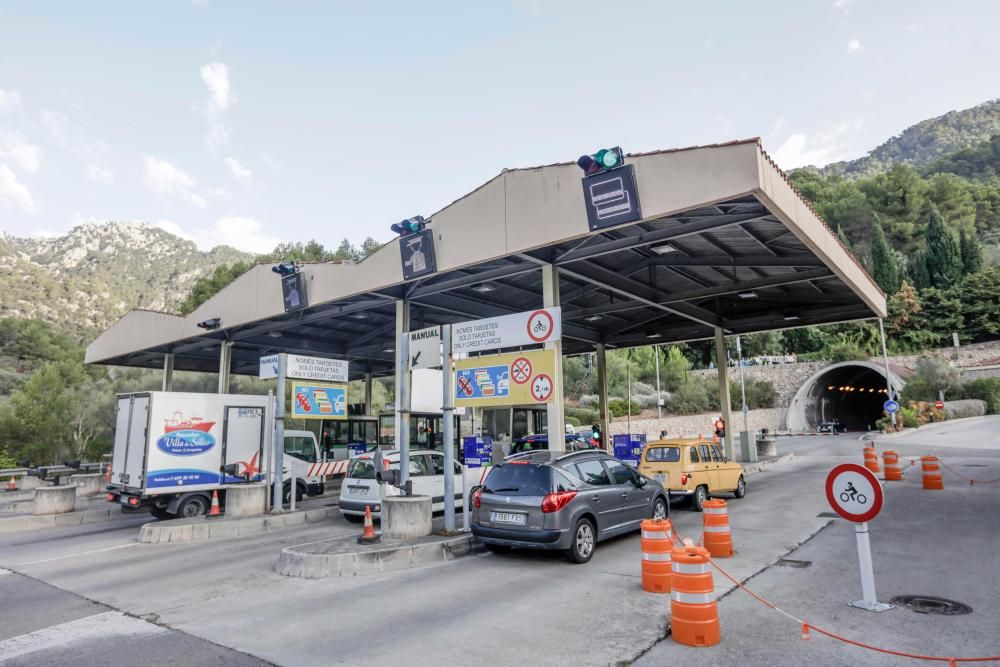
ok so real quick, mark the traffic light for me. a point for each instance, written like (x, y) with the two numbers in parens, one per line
(285, 268)
(596, 435)
(410, 226)
(605, 159)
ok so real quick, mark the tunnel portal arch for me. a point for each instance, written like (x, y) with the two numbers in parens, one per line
(849, 391)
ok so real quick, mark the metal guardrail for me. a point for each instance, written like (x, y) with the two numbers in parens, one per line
(55, 472)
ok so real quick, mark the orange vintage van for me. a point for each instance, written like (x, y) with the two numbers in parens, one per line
(693, 468)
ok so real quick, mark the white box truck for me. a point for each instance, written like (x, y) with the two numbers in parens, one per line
(173, 449)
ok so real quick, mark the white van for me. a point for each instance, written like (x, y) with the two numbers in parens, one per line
(426, 470)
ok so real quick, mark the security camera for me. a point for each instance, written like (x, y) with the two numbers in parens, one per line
(210, 325)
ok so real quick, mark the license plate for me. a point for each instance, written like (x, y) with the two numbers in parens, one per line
(660, 477)
(508, 517)
(357, 490)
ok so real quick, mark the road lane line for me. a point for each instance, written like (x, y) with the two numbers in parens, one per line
(81, 553)
(104, 626)
(3, 571)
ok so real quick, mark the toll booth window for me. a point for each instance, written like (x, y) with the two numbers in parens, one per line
(694, 454)
(593, 473)
(664, 454)
(300, 448)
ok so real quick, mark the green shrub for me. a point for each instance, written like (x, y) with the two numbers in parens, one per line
(909, 417)
(918, 389)
(690, 398)
(619, 407)
(760, 394)
(986, 389)
(572, 421)
(583, 415)
(845, 352)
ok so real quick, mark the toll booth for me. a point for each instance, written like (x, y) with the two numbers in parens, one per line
(342, 438)
(628, 447)
(426, 431)
(508, 423)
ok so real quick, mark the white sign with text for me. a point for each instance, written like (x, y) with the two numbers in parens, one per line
(494, 333)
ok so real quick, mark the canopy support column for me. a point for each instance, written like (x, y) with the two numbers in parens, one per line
(722, 360)
(225, 358)
(368, 394)
(402, 398)
(602, 394)
(556, 424)
(168, 372)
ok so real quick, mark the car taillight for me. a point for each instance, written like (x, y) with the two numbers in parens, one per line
(476, 495)
(684, 478)
(110, 497)
(556, 501)
(133, 502)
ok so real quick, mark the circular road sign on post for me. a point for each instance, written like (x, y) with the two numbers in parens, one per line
(855, 493)
(939, 405)
(891, 406)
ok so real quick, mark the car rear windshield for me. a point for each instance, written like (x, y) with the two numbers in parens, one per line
(361, 469)
(664, 454)
(519, 479)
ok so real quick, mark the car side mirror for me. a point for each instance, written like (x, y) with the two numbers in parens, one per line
(640, 482)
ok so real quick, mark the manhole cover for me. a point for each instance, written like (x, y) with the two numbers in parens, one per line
(788, 562)
(827, 515)
(928, 604)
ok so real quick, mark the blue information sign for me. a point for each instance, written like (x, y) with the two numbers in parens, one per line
(477, 450)
(485, 382)
(628, 447)
(890, 406)
(356, 448)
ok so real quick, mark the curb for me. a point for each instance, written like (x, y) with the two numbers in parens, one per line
(200, 529)
(760, 466)
(294, 563)
(19, 523)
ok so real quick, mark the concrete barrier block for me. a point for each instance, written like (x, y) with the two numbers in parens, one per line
(87, 485)
(54, 500)
(28, 483)
(365, 562)
(95, 516)
(252, 526)
(148, 534)
(223, 529)
(315, 516)
(275, 522)
(71, 519)
(295, 519)
(34, 522)
(406, 517)
(180, 533)
(245, 500)
(199, 531)
(14, 524)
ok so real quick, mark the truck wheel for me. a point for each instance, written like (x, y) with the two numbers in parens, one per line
(192, 507)
(287, 496)
(161, 514)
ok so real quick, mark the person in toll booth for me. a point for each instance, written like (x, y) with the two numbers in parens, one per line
(720, 428)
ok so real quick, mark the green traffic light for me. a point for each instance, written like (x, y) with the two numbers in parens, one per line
(607, 158)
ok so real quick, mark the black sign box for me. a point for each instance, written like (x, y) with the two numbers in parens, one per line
(293, 291)
(611, 198)
(417, 254)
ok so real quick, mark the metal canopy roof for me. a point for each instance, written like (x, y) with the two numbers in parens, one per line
(753, 260)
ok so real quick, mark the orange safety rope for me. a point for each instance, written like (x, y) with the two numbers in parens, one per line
(805, 627)
(968, 479)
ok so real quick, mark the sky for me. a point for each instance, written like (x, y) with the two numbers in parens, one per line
(253, 123)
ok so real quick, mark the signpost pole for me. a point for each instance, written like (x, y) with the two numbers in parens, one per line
(279, 436)
(869, 600)
(885, 359)
(448, 410)
(659, 403)
(403, 409)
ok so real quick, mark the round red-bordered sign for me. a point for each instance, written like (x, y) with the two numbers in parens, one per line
(854, 492)
(540, 326)
(520, 370)
(541, 387)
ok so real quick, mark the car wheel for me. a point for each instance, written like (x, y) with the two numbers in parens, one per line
(192, 507)
(699, 498)
(741, 488)
(498, 548)
(584, 541)
(660, 509)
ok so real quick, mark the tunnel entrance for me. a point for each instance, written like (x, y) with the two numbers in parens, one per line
(851, 392)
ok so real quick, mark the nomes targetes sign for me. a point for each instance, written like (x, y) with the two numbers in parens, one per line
(530, 327)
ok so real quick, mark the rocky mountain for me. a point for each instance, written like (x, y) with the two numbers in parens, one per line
(90, 277)
(928, 140)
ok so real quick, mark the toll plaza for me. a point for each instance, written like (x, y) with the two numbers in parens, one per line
(667, 246)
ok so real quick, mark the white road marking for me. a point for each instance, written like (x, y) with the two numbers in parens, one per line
(80, 553)
(3, 571)
(108, 625)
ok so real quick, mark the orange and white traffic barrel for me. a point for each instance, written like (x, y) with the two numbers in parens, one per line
(718, 539)
(657, 545)
(932, 473)
(890, 459)
(871, 459)
(694, 615)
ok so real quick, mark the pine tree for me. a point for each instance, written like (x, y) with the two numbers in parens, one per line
(918, 271)
(944, 260)
(884, 268)
(843, 238)
(971, 251)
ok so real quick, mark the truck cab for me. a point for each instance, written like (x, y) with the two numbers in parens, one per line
(301, 452)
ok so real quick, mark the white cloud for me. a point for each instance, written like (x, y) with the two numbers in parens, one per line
(821, 148)
(164, 178)
(843, 6)
(918, 27)
(10, 100)
(273, 163)
(220, 99)
(98, 173)
(27, 156)
(854, 46)
(13, 193)
(240, 173)
(240, 232)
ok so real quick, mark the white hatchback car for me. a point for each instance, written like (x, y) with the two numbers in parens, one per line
(426, 469)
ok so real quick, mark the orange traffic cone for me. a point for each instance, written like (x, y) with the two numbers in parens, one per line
(107, 473)
(214, 511)
(11, 484)
(369, 536)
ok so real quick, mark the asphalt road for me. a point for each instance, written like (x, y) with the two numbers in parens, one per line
(221, 602)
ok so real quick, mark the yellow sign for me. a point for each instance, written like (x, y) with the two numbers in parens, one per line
(518, 378)
(313, 400)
